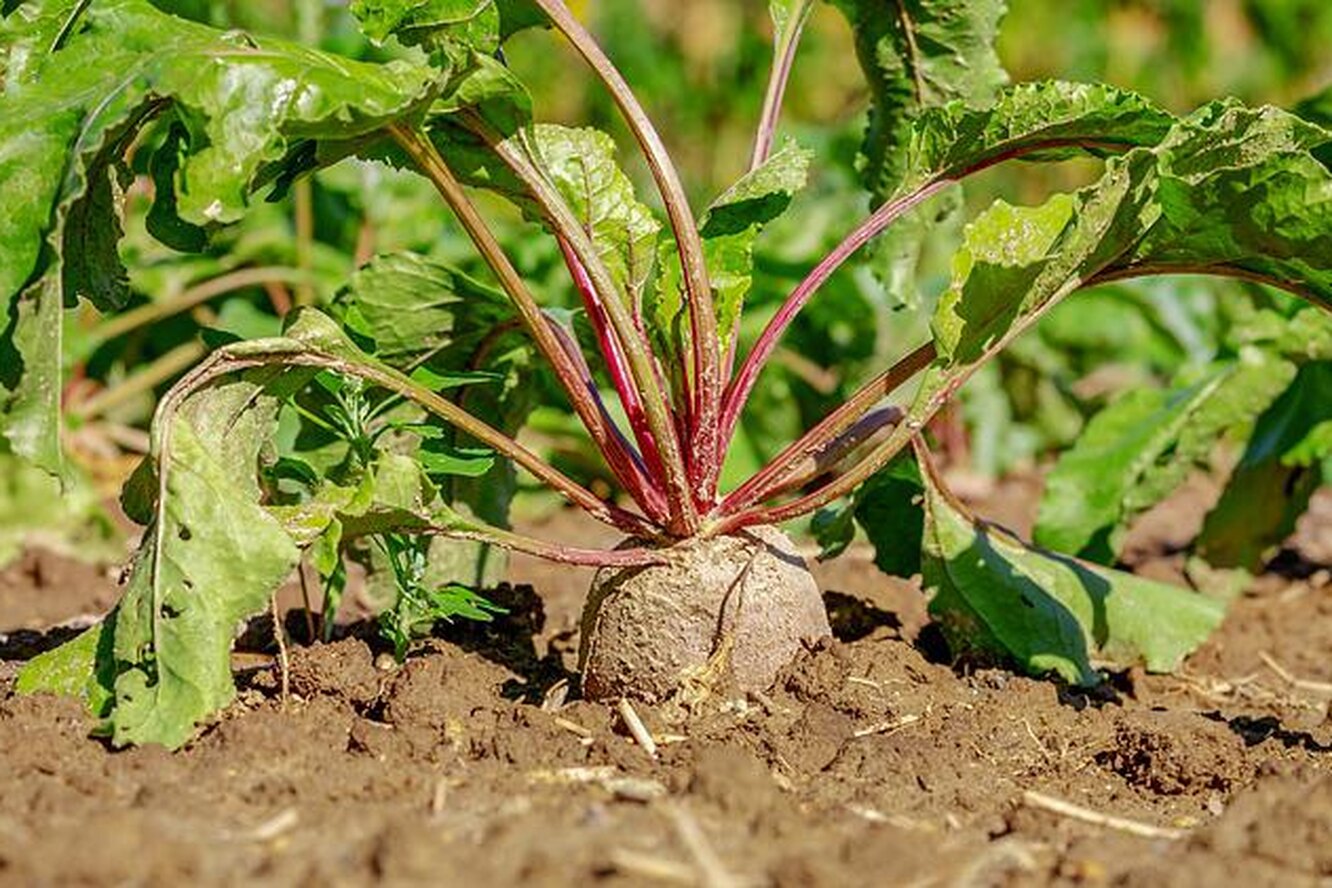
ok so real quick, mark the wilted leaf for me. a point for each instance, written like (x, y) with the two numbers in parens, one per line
(211, 558)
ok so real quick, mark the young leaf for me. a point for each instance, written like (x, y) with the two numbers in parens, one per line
(1048, 612)
(729, 228)
(581, 164)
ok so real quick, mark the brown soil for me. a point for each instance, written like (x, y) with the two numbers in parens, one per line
(868, 763)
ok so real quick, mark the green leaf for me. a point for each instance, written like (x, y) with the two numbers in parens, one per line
(918, 54)
(405, 306)
(82, 667)
(760, 195)
(1062, 119)
(67, 116)
(433, 23)
(732, 224)
(1141, 448)
(163, 221)
(1230, 191)
(36, 508)
(438, 458)
(1005, 251)
(1241, 192)
(211, 558)
(730, 227)
(1279, 471)
(889, 508)
(1047, 612)
(581, 164)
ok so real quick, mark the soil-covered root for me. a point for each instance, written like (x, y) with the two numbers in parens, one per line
(730, 611)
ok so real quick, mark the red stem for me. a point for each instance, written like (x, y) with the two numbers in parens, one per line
(774, 476)
(623, 459)
(705, 449)
(616, 365)
(738, 392)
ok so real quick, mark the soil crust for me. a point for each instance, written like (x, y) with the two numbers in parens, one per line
(871, 761)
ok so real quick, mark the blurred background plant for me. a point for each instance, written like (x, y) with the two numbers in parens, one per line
(700, 67)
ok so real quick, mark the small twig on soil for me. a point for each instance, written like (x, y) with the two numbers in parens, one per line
(875, 816)
(1303, 684)
(1109, 821)
(887, 727)
(636, 727)
(711, 872)
(574, 727)
(440, 797)
(554, 698)
(1049, 756)
(590, 774)
(284, 664)
(283, 822)
(635, 863)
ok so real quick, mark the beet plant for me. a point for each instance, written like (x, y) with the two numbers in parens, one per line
(402, 369)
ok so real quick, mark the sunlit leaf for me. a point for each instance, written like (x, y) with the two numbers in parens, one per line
(1048, 612)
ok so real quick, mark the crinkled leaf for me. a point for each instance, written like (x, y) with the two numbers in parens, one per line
(1229, 191)
(760, 195)
(1047, 612)
(404, 306)
(1004, 251)
(1046, 120)
(734, 220)
(65, 119)
(917, 54)
(211, 558)
(82, 668)
(432, 23)
(1240, 191)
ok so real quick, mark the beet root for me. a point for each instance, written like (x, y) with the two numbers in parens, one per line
(733, 608)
